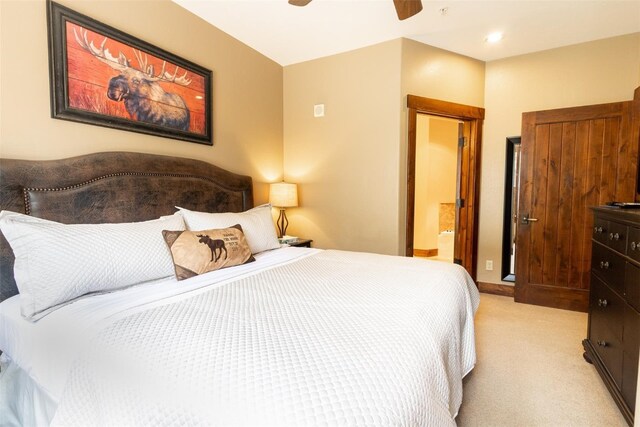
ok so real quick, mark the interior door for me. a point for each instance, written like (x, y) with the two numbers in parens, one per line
(463, 186)
(572, 159)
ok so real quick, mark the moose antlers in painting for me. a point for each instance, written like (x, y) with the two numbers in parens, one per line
(144, 99)
(102, 76)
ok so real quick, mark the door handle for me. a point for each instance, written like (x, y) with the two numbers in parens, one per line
(527, 220)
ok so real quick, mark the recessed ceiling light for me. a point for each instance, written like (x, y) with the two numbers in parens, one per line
(198, 97)
(494, 37)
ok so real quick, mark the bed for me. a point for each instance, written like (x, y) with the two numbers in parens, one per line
(297, 336)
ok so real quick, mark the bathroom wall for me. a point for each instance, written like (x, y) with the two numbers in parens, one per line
(436, 165)
(421, 233)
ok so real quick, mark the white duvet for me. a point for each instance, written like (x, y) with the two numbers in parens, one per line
(333, 338)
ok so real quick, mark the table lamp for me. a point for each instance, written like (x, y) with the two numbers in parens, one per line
(283, 195)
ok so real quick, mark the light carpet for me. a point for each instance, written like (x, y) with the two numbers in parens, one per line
(530, 370)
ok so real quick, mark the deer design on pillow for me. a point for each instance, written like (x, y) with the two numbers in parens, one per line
(216, 246)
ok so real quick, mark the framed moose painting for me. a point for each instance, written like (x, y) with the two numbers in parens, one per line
(102, 76)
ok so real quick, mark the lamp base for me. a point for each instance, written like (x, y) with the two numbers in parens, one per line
(282, 223)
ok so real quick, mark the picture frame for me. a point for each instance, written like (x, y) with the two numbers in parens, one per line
(102, 76)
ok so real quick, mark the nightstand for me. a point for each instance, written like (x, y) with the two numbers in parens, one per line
(301, 243)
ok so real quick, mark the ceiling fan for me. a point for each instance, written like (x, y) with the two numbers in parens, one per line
(404, 8)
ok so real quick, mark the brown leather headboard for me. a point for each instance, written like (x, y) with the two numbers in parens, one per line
(113, 187)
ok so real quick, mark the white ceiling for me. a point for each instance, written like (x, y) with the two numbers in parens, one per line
(289, 34)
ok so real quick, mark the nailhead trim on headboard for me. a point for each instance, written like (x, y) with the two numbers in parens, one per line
(27, 203)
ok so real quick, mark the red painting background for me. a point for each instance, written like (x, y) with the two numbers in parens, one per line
(88, 79)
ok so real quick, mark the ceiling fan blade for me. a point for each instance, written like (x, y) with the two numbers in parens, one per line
(299, 2)
(405, 8)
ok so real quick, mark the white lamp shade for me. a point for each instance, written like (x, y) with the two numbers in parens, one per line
(283, 195)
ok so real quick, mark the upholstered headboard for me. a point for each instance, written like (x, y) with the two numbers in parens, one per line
(113, 187)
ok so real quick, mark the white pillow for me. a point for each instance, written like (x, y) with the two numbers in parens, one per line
(257, 224)
(56, 263)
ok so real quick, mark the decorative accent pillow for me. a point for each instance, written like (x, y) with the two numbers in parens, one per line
(257, 224)
(56, 263)
(199, 252)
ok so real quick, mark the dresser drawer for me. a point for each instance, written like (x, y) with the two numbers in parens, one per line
(609, 266)
(633, 243)
(606, 311)
(617, 237)
(631, 349)
(609, 349)
(601, 230)
(632, 285)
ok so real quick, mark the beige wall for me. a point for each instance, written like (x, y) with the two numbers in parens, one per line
(422, 233)
(247, 90)
(346, 162)
(436, 163)
(439, 74)
(589, 73)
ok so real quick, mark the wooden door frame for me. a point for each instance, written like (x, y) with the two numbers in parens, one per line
(475, 116)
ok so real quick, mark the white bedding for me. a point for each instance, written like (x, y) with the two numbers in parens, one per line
(300, 337)
(45, 349)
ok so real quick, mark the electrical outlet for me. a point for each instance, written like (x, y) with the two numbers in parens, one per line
(489, 265)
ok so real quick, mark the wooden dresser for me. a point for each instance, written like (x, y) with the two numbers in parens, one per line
(614, 307)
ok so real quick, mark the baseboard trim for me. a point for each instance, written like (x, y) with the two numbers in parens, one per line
(496, 289)
(425, 252)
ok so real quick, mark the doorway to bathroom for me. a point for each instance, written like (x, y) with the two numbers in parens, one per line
(466, 173)
(435, 187)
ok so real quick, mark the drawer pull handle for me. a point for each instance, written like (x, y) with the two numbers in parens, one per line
(602, 302)
(613, 236)
(602, 343)
(634, 245)
(598, 230)
(604, 265)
